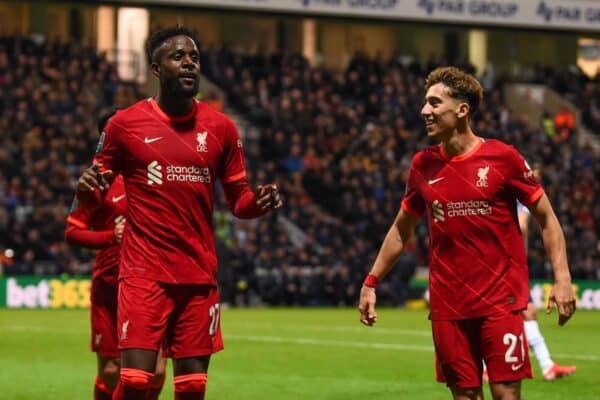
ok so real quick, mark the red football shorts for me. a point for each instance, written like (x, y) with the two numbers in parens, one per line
(103, 312)
(182, 319)
(462, 345)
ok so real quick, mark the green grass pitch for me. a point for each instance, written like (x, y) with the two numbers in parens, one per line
(321, 354)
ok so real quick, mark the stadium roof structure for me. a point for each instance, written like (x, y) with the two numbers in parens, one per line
(577, 15)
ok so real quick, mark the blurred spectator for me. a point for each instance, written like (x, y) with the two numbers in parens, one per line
(564, 120)
(338, 142)
(51, 95)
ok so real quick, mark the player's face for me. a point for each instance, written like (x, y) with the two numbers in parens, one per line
(179, 69)
(440, 112)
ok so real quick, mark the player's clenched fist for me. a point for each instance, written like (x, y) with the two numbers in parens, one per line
(268, 197)
(93, 178)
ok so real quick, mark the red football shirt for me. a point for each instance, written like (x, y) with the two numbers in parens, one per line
(170, 165)
(114, 204)
(477, 257)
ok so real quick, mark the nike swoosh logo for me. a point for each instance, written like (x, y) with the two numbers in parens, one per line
(436, 180)
(516, 367)
(116, 199)
(150, 140)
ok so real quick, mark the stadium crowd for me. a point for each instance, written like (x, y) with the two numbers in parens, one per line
(342, 143)
(339, 144)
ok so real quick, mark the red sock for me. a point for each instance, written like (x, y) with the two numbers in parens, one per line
(101, 391)
(133, 384)
(155, 388)
(190, 387)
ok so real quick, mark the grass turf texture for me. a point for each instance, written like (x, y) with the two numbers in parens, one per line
(287, 354)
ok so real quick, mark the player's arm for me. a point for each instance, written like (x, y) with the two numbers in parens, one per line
(245, 203)
(80, 233)
(392, 247)
(84, 237)
(554, 242)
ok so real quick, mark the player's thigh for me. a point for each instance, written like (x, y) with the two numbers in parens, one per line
(530, 313)
(103, 317)
(195, 328)
(504, 348)
(458, 357)
(143, 314)
(467, 393)
(161, 363)
(139, 359)
(190, 365)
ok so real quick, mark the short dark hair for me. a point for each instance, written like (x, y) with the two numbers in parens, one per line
(158, 37)
(104, 117)
(463, 86)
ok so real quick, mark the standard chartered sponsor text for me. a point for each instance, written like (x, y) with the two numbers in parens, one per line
(180, 173)
(468, 208)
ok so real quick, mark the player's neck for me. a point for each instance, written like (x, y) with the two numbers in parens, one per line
(175, 107)
(460, 143)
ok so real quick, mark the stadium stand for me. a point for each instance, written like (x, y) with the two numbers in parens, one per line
(339, 143)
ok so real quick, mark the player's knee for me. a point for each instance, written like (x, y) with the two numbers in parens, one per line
(506, 390)
(110, 374)
(136, 378)
(475, 393)
(191, 383)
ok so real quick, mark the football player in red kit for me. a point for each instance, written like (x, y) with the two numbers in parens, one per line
(171, 149)
(478, 280)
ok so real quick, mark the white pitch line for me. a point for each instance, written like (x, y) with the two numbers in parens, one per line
(370, 345)
(586, 357)
(335, 343)
(314, 342)
(328, 328)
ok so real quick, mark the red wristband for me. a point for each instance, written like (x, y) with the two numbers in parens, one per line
(371, 281)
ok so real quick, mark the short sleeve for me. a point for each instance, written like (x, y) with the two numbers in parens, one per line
(413, 202)
(521, 180)
(233, 166)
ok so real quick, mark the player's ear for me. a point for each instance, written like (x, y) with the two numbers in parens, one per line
(155, 69)
(462, 110)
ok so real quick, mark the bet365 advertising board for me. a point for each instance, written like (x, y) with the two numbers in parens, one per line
(74, 292)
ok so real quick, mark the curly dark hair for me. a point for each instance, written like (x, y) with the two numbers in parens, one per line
(463, 86)
(158, 37)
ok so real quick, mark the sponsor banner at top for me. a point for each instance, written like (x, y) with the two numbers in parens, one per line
(545, 14)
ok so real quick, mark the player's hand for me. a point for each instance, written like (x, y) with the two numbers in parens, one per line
(563, 297)
(268, 197)
(119, 228)
(93, 179)
(366, 306)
